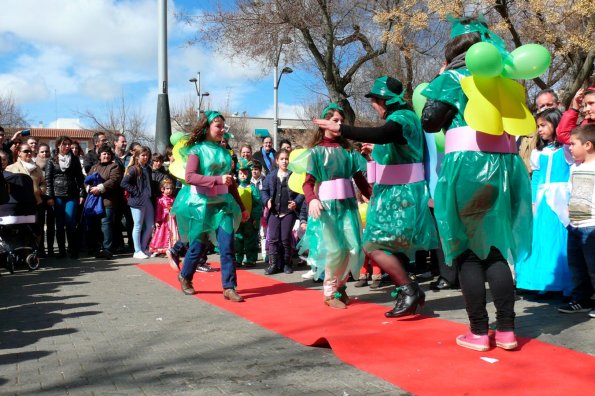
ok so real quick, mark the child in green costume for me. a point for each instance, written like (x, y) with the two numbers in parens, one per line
(209, 206)
(398, 218)
(333, 235)
(246, 236)
(482, 198)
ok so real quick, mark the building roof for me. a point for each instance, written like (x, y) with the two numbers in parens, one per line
(53, 133)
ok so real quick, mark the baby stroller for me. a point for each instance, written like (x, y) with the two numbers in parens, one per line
(18, 239)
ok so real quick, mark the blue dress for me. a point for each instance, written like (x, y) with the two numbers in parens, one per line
(546, 269)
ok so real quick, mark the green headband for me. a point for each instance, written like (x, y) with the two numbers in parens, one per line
(332, 106)
(212, 114)
(477, 25)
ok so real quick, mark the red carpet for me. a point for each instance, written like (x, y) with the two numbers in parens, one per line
(417, 353)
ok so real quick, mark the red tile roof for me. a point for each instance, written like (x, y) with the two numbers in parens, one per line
(53, 133)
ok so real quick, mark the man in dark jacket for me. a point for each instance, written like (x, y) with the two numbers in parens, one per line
(92, 157)
(266, 155)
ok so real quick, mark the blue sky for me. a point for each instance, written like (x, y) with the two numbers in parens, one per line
(61, 57)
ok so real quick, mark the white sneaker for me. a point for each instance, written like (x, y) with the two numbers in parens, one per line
(140, 256)
(309, 275)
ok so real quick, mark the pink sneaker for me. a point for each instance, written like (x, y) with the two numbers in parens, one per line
(476, 342)
(506, 340)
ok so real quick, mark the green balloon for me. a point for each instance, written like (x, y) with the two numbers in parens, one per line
(419, 101)
(175, 137)
(527, 62)
(484, 60)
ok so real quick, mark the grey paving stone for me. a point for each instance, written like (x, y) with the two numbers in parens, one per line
(104, 328)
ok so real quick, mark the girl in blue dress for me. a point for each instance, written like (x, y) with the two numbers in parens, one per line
(546, 269)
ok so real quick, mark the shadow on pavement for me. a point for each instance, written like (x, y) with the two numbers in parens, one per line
(30, 311)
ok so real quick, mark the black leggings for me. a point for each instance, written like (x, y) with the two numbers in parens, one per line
(473, 273)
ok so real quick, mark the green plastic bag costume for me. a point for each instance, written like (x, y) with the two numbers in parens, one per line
(336, 235)
(482, 199)
(398, 217)
(247, 235)
(199, 214)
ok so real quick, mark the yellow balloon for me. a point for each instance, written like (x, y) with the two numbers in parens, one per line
(178, 167)
(296, 182)
(496, 105)
(295, 153)
(363, 209)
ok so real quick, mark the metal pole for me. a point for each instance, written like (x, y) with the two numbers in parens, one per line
(275, 103)
(163, 122)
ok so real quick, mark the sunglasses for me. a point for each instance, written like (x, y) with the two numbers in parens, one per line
(26, 151)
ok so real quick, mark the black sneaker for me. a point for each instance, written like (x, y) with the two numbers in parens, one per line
(574, 307)
(206, 267)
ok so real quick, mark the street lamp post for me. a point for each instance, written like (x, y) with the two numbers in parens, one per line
(276, 80)
(200, 95)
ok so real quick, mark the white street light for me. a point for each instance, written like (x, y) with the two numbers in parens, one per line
(200, 95)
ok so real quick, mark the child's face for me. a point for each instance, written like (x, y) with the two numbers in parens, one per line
(216, 130)
(256, 173)
(283, 161)
(243, 174)
(337, 119)
(157, 164)
(167, 191)
(589, 106)
(577, 149)
(545, 130)
(143, 159)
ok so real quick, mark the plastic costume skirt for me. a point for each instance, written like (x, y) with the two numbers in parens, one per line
(484, 200)
(336, 235)
(399, 221)
(197, 213)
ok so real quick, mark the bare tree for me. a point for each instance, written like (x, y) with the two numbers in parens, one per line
(566, 28)
(11, 115)
(334, 38)
(119, 116)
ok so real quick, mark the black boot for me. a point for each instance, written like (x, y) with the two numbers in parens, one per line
(288, 267)
(408, 298)
(61, 239)
(73, 245)
(273, 267)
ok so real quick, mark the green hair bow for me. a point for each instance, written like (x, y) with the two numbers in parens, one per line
(212, 114)
(332, 106)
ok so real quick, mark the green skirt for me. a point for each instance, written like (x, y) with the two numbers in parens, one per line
(198, 214)
(335, 237)
(399, 220)
(484, 200)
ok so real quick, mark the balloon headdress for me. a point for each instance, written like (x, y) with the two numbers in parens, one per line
(389, 89)
(496, 102)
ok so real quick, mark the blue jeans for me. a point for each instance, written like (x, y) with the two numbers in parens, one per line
(228, 268)
(144, 218)
(581, 262)
(65, 209)
(107, 224)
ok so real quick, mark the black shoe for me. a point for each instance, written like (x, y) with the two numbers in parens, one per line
(288, 270)
(104, 254)
(408, 298)
(441, 284)
(272, 269)
(61, 255)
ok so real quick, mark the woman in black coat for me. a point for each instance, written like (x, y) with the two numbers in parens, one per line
(65, 190)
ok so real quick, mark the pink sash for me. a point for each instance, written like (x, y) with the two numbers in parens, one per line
(468, 139)
(218, 189)
(395, 174)
(336, 189)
